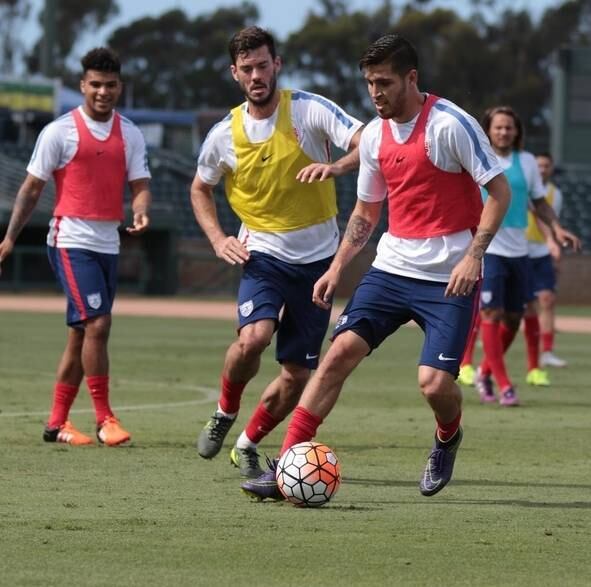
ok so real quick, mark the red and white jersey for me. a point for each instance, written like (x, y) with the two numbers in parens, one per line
(57, 146)
(454, 143)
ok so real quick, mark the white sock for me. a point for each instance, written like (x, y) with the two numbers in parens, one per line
(225, 414)
(244, 442)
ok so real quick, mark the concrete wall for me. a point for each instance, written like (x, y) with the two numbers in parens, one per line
(201, 273)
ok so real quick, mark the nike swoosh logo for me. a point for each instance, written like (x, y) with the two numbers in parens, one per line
(310, 357)
(443, 358)
(267, 157)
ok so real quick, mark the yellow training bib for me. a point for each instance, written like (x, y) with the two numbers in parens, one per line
(263, 190)
(534, 233)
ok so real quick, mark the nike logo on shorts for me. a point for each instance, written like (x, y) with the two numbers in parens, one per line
(441, 357)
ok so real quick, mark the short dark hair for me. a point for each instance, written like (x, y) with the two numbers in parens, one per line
(507, 111)
(101, 59)
(249, 39)
(394, 49)
(546, 155)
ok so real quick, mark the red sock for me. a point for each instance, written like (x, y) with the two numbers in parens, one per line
(302, 427)
(230, 395)
(507, 337)
(493, 352)
(63, 398)
(260, 424)
(468, 357)
(532, 341)
(98, 385)
(446, 431)
(547, 341)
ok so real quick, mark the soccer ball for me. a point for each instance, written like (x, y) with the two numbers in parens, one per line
(308, 474)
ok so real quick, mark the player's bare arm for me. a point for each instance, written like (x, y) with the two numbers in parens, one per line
(360, 227)
(467, 272)
(321, 171)
(25, 202)
(141, 199)
(546, 214)
(228, 248)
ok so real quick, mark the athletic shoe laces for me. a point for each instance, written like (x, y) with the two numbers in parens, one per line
(219, 427)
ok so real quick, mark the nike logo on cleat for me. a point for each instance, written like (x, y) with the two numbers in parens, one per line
(441, 357)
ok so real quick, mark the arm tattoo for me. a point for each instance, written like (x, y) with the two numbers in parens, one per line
(358, 231)
(480, 243)
(23, 207)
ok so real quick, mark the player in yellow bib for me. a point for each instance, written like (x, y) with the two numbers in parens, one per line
(544, 257)
(273, 153)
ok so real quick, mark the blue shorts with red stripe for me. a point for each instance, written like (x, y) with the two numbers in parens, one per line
(383, 302)
(271, 289)
(542, 275)
(89, 280)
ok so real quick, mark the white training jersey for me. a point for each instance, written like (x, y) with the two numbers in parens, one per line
(56, 147)
(536, 250)
(317, 122)
(454, 142)
(512, 242)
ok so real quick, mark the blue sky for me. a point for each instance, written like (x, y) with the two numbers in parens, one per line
(281, 16)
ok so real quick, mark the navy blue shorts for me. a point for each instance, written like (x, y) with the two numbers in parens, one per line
(269, 285)
(383, 302)
(89, 280)
(542, 275)
(505, 283)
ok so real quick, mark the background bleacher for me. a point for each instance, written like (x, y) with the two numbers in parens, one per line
(172, 216)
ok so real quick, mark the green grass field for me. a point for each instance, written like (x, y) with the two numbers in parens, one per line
(154, 513)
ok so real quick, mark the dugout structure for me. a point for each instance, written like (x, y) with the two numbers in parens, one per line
(571, 108)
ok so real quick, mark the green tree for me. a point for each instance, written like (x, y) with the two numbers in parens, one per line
(72, 20)
(13, 15)
(173, 61)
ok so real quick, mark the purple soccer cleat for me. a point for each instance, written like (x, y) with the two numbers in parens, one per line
(265, 486)
(485, 387)
(509, 398)
(440, 464)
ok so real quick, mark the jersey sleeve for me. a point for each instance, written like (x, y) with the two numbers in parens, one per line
(371, 183)
(557, 201)
(215, 151)
(535, 184)
(47, 153)
(327, 118)
(470, 146)
(137, 155)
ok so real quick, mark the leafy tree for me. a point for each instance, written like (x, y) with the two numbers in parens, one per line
(324, 54)
(72, 19)
(175, 62)
(13, 14)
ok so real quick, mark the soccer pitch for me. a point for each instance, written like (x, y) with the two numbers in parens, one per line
(517, 511)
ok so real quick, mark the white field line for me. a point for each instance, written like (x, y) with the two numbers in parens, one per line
(210, 395)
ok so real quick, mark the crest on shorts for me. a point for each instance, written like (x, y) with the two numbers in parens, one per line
(246, 308)
(94, 300)
(486, 297)
(342, 320)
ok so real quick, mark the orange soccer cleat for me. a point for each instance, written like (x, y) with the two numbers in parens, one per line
(111, 433)
(67, 434)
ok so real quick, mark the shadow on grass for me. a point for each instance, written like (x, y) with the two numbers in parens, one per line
(465, 482)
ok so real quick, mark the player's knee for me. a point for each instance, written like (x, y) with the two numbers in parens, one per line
(252, 345)
(98, 327)
(547, 300)
(434, 382)
(295, 377)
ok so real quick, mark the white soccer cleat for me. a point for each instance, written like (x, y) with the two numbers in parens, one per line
(549, 359)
